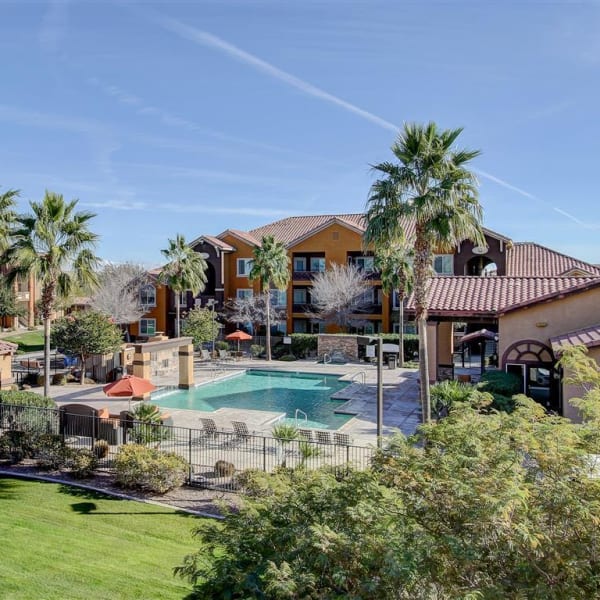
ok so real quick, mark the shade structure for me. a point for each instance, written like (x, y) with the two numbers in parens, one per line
(129, 386)
(238, 335)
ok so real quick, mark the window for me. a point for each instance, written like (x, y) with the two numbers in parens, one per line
(300, 296)
(148, 295)
(243, 293)
(365, 263)
(316, 327)
(408, 328)
(299, 325)
(244, 266)
(443, 264)
(299, 263)
(278, 298)
(366, 298)
(317, 264)
(147, 326)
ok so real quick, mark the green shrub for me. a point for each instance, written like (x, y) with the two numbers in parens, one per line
(59, 379)
(445, 393)
(287, 358)
(149, 469)
(503, 403)
(500, 382)
(304, 344)
(256, 350)
(224, 469)
(101, 448)
(24, 398)
(221, 345)
(50, 452)
(82, 463)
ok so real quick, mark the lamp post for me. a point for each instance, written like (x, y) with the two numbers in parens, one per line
(211, 302)
(366, 339)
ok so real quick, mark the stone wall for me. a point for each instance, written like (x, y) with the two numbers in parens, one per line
(344, 344)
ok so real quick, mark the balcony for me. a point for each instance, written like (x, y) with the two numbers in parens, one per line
(304, 275)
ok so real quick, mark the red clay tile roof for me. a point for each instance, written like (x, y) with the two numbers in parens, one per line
(215, 241)
(290, 229)
(242, 235)
(489, 296)
(526, 259)
(8, 347)
(589, 336)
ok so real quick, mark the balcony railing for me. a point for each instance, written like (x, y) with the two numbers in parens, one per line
(304, 275)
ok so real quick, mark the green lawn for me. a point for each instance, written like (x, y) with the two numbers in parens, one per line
(29, 341)
(60, 542)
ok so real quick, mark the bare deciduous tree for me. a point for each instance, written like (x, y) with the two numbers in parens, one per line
(253, 309)
(118, 293)
(338, 294)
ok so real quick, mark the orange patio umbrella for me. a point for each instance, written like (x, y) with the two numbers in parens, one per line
(238, 335)
(129, 386)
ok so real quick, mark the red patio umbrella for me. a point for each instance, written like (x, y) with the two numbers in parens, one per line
(129, 385)
(238, 335)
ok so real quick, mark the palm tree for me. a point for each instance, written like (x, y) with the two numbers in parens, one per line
(394, 263)
(432, 188)
(7, 216)
(270, 265)
(54, 245)
(185, 270)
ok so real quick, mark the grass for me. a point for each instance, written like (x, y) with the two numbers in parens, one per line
(29, 341)
(62, 542)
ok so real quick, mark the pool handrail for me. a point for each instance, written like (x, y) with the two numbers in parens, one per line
(298, 410)
(363, 375)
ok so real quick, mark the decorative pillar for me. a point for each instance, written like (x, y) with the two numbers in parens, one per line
(186, 366)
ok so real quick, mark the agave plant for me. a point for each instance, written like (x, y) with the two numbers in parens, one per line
(148, 426)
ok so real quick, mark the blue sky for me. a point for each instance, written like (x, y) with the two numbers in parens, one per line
(192, 117)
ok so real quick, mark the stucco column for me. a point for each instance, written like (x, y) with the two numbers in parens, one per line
(141, 368)
(186, 366)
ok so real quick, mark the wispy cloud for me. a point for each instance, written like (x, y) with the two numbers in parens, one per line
(206, 39)
(128, 205)
(505, 184)
(575, 219)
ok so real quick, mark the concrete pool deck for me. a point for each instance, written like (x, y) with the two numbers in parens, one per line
(401, 408)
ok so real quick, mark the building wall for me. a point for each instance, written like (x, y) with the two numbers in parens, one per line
(557, 317)
(496, 253)
(232, 281)
(159, 312)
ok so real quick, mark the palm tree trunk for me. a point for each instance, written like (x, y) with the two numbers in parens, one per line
(401, 331)
(47, 356)
(268, 337)
(82, 377)
(177, 303)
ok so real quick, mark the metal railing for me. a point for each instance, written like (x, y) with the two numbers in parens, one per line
(215, 460)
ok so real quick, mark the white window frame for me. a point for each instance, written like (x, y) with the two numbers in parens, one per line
(319, 258)
(278, 297)
(147, 304)
(245, 293)
(305, 301)
(246, 266)
(301, 261)
(144, 327)
(447, 264)
(366, 264)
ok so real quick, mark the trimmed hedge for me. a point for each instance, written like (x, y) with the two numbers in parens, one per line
(25, 398)
(499, 382)
(149, 469)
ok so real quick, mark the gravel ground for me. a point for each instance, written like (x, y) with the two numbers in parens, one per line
(191, 499)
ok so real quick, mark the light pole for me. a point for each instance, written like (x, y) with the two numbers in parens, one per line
(211, 302)
(366, 340)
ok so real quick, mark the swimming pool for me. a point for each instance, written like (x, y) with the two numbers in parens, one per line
(267, 390)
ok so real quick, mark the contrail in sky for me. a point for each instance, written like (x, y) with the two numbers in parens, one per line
(203, 38)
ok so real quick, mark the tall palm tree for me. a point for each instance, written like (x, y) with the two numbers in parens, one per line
(7, 216)
(395, 264)
(431, 187)
(55, 246)
(185, 270)
(270, 265)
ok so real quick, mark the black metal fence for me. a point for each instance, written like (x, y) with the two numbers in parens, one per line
(216, 459)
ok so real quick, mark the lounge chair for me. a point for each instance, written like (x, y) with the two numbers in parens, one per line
(306, 435)
(225, 355)
(240, 429)
(205, 355)
(209, 428)
(341, 439)
(323, 436)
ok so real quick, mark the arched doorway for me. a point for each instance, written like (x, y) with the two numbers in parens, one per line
(481, 266)
(534, 363)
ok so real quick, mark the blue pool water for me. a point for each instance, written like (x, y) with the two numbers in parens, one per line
(270, 391)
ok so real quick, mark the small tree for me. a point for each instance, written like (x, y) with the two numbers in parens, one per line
(84, 334)
(339, 294)
(253, 309)
(8, 302)
(118, 292)
(201, 324)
